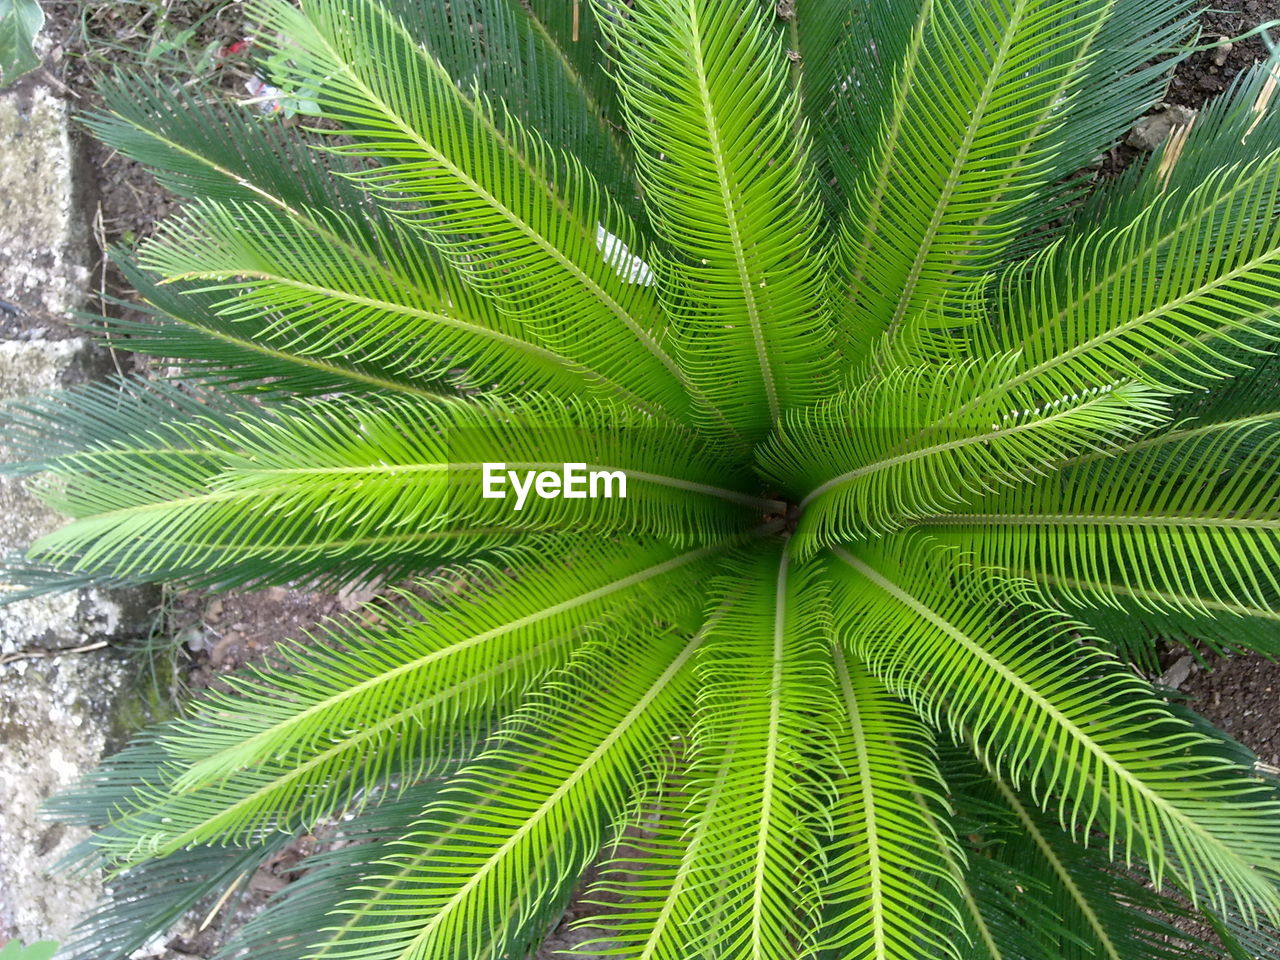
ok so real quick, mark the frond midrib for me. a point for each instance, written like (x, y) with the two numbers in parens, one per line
(302, 360)
(407, 865)
(727, 195)
(870, 813)
(1054, 103)
(773, 736)
(1059, 869)
(955, 866)
(976, 115)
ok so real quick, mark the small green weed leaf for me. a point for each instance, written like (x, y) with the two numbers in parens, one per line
(20, 23)
(42, 950)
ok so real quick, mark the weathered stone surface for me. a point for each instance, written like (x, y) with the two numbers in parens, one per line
(28, 367)
(44, 233)
(54, 726)
(55, 711)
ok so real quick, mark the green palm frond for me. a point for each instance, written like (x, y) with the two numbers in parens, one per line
(541, 60)
(143, 902)
(1242, 938)
(1006, 910)
(521, 223)
(43, 429)
(979, 92)
(575, 37)
(1126, 73)
(146, 901)
(1183, 521)
(196, 491)
(573, 43)
(293, 923)
(1236, 127)
(177, 319)
(648, 885)
(850, 52)
(1017, 683)
(333, 287)
(734, 872)
(1139, 635)
(1235, 423)
(895, 865)
(200, 147)
(263, 487)
(1160, 298)
(116, 781)
(281, 748)
(594, 732)
(879, 478)
(819, 36)
(924, 436)
(722, 156)
(208, 151)
(753, 883)
(1102, 911)
(851, 55)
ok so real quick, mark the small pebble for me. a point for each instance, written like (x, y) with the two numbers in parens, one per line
(1154, 129)
(1222, 51)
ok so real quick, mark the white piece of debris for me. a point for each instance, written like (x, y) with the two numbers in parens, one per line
(629, 267)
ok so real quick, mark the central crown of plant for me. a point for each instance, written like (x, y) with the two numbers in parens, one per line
(921, 445)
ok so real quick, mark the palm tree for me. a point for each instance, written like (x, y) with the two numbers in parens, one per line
(925, 442)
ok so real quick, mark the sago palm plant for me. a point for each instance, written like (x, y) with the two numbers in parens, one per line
(924, 444)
